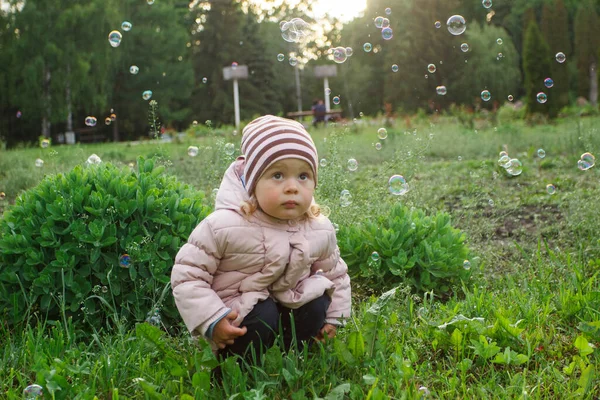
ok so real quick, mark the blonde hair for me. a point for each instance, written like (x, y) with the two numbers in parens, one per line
(249, 207)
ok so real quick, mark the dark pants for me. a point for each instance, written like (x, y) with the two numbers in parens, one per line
(263, 325)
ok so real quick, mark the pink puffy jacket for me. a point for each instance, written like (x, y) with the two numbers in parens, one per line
(232, 261)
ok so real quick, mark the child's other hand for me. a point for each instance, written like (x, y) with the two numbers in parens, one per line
(225, 332)
(328, 331)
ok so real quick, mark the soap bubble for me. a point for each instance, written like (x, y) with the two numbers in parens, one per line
(150, 2)
(90, 121)
(541, 97)
(394, 67)
(382, 133)
(502, 154)
(124, 260)
(379, 22)
(367, 47)
(504, 161)
(375, 256)
(464, 47)
(397, 185)
(204, 80)
(19, 114)
(386, 23)
(229, 149)
(515, 168)
(349, 51)
(541, 153)
(510, 97)
(424, 392)
(550, 188)
(336, 100)
(295, 30)
(456, 25)
(39, 163)
(147, 95)
(325, 211)
(327, 91)
(107, 121)
(352, 164)
(499, 41)
(491, 202)
(437, 24)
(44, 143)
(431, 68)
(548, 82)
(33, 392)
(388, 11)
(378, 146)
(560, 57)
(340, 55)
(323, 162)
(586, 161)
(293, 61)
(280, 57)
(133, 70)
(153, 318)
(387, 33)
(2, 195)
(345, 198)
(114, 38)
(113, 116)
(467, 265)
(93, 159)
(126, 26)
(441, 90)
(192, 151)
(486, 3)
(486, 95)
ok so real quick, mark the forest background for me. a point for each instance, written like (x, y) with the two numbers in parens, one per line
(57, 66)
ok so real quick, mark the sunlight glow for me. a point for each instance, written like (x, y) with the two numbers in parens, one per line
(342, 9)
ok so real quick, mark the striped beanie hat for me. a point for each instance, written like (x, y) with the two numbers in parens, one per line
(269, 139)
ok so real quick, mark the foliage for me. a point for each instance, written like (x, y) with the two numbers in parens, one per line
(536, 66)
(63, 243)
(587, 40)
(425, 251)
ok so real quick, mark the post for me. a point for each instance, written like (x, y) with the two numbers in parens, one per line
(235, 72)
(326, 93)
(298, 90)
(236, 103)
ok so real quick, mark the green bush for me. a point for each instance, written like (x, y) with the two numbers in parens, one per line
(63, 245)
(425, 251)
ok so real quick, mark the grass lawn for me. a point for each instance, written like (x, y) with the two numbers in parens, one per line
(526, 324)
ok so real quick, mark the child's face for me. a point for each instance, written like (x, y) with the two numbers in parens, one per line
(286, 189)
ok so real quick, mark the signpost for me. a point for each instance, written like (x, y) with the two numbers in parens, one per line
(235, 72)
(325, 71)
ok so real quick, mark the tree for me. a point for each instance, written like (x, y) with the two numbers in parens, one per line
(587, 40)
(555, 28)
(537, 66)
(485, 68)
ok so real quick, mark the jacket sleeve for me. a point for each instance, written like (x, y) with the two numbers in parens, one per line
(192, 277)
(341, 301)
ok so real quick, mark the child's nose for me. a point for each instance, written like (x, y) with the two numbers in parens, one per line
(291, 186)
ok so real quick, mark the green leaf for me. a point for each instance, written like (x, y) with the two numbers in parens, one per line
(201, 381)
(583, 346)
(356, 344)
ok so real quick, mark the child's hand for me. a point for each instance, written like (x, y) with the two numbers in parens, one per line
(328, 331)
(225, 332)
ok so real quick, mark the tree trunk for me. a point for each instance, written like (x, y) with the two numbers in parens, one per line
(115, 129)
(47, 97)
(593, 84)
(68, 96)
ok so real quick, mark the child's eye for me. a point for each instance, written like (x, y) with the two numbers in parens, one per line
(304, 176)
(277, 175)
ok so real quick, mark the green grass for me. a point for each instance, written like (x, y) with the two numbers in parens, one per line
(527, 325)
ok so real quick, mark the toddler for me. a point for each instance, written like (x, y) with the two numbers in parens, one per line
(265, 254)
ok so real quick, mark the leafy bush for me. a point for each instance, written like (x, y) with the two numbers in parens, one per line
(425, 251)
(64, 244)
